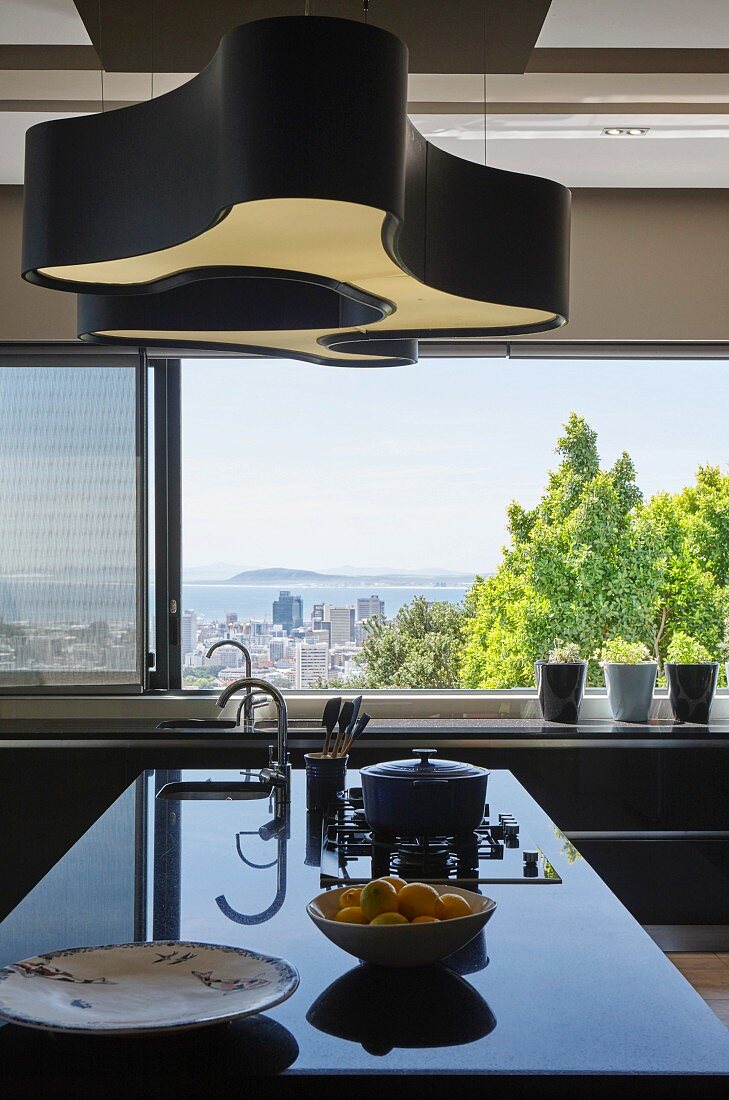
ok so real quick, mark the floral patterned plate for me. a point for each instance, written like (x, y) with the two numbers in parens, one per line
(132, 988)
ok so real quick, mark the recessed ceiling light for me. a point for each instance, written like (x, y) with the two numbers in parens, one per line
(632, 131)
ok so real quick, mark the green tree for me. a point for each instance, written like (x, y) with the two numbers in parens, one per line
(419, 648)
(578, 566)
(691, 531)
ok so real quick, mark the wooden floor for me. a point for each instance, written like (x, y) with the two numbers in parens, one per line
(708, 973)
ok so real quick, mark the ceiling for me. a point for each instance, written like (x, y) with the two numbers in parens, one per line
(636, 24)
(559, 74)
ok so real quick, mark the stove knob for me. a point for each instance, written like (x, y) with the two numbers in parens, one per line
(511, 828)
(531, 857)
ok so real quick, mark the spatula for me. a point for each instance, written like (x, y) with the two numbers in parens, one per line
(356, 704)
(329, 720)
(358, 729)
(345, 717)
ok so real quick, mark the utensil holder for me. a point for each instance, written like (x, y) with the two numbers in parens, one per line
(326, 776)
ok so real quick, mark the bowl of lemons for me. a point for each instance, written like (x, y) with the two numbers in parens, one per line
(391, 922)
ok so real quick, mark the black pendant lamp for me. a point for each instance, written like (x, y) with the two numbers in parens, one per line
(282, 203)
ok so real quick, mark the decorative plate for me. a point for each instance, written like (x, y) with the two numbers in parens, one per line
(164, 985)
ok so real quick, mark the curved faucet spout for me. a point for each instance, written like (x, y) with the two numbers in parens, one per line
(278, 771)
(248, 718)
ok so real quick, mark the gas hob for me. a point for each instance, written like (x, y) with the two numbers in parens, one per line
(495, 852)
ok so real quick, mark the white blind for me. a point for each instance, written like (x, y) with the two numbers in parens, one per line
(69, 540)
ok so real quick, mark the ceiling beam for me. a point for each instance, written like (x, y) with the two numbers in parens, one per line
(550, 107)
(461, 36)
(631, 60)
(48, 57)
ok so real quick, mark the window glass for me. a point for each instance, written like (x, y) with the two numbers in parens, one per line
(447, 524)
(69, 494)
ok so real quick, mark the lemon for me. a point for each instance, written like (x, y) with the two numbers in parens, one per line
(425, 920)
(350, 897)
(351, 915)
(452, 905)
(389, 918)
(398, 883)
(417, 900)
(378, 897)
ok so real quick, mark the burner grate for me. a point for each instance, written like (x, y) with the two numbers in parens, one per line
(351, 853)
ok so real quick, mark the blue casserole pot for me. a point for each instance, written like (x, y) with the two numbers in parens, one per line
(423, 796)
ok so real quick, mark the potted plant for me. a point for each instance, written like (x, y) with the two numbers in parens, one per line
(561, 682)
(692, 678)
(630, 677)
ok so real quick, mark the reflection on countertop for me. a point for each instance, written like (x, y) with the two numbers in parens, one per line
(564, 982)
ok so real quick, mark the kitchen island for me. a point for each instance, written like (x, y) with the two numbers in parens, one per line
(565, 983)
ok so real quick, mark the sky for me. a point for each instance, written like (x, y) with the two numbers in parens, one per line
(412, 468)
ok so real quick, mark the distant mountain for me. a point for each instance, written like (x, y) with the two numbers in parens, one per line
(288, 578)
(389, 571)
(218, 570)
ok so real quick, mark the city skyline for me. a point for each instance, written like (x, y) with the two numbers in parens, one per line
(286, 650)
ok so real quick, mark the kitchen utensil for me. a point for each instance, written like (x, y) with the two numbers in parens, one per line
(359, 727)
(135, 988)
(402, 944)
(424, 797)
(329, 720)
(356, 704)
(325, 777)
(345, 717)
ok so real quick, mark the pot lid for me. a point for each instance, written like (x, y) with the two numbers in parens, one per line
(424, 766)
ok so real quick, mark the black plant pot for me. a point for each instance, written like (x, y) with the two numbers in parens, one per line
(560, 688)
(691, 690)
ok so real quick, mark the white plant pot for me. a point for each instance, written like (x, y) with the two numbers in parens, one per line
(630, 690)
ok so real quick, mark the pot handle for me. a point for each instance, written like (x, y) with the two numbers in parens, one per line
(430, 782)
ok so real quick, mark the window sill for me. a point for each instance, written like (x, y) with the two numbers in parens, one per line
(517, 704)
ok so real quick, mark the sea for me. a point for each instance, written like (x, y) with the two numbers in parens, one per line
(48, 600)
(213, 601)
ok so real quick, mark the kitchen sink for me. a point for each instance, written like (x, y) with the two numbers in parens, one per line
(212, 789)
(199, 724)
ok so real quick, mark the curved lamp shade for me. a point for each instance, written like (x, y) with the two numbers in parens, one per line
(281, 202)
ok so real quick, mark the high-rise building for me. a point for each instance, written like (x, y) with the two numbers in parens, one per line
(288, 610)
(312, 664)
(188, 632)
(342, 623)
(369, 607)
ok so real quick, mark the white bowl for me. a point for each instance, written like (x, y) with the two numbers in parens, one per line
(401, 944)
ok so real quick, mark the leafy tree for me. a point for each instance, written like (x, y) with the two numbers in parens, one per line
(591, 562)
(419, 648)
(691, 531)
(578, 566)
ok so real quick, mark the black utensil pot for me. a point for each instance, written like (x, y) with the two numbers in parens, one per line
(423, 796)
(560, 687)
(691, 690)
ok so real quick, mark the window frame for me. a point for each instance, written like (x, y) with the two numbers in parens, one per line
(512, 699)
(160, 655)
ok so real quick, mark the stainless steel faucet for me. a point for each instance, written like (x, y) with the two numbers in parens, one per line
(278, 772)
(248, 705)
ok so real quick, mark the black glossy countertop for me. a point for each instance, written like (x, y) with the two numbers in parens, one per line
(566, 982)
(522, 731)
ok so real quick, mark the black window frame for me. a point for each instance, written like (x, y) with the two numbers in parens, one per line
(167, 675)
